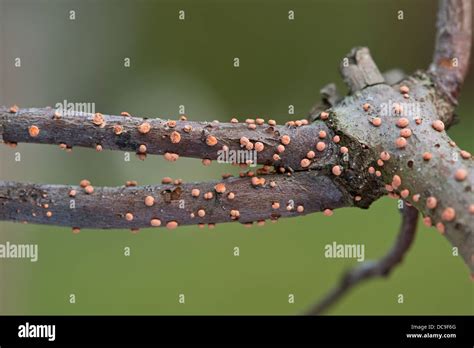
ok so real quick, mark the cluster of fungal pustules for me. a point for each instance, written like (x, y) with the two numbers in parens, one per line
(257, 177)
(395, 187)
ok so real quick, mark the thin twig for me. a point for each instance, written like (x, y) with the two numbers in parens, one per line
(380, 268)
(453, 46)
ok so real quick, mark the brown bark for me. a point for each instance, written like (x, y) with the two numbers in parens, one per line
(76, 129)
(453, 46)
(107, 207)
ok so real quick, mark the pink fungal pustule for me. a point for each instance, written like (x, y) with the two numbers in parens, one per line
(448, 214)
(337, 170)
(465, 154)
(155, 222)
(440, 227)
(438, 125)
(401, 143)
(98, 119)
(404, 89)
(220, 188)
(427, 221)
(405, 132)
(320, 146)
(384, 156)
(431, 202)
(285, 139)
(471, 209)
(460, 174)
(211, 140)
(33, 131)
(175, 137)
(327, 212)
(376, 121)
(144, 128)
(305, 163)
(259, 146)
(171, 225)
(396, 181)
(402, 122)
(14, 109)
(149, 201)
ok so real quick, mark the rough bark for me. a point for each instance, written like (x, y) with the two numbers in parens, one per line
(107, 207)
(453, 46)
(359, 70)
(77, 129)
(433, 178)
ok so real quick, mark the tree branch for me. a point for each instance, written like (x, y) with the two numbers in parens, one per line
(417, 158)
(380, 268)
(185, 138)
(233, 199)
(359, 70)
(452, 47)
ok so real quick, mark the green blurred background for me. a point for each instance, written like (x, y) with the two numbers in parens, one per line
(190, 63)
